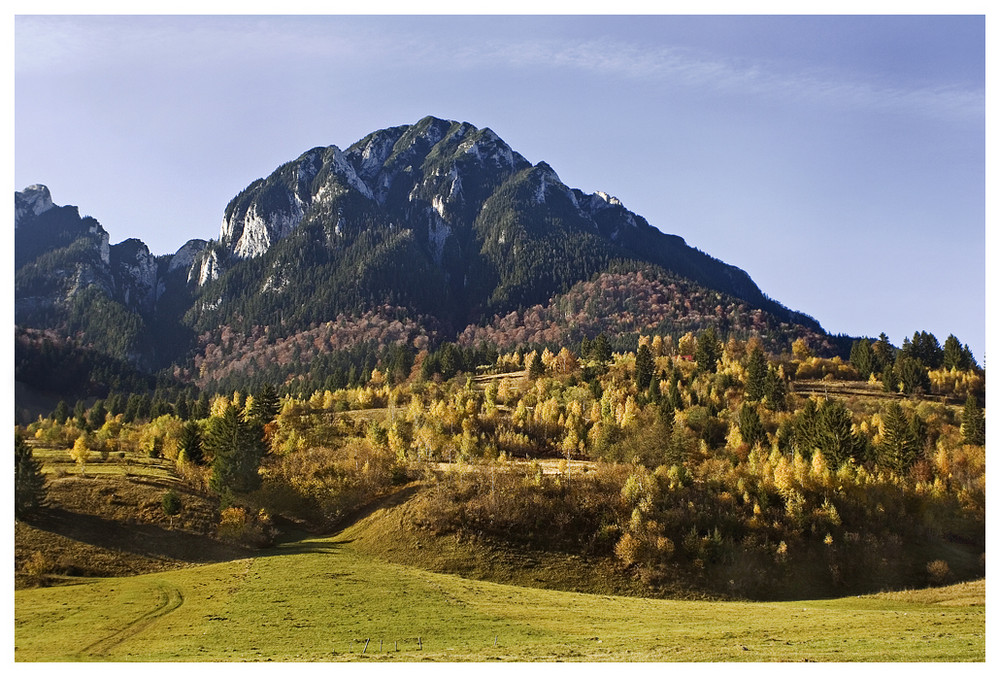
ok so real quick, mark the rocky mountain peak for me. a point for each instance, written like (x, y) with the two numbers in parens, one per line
(34, 200)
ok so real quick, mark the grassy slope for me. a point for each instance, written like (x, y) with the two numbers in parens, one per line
(321, 598)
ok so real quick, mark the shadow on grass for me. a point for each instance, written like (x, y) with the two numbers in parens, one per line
(147, 540)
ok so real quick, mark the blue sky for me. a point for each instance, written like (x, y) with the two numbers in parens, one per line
(839, 160)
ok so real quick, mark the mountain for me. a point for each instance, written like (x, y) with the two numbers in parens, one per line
(439, 225)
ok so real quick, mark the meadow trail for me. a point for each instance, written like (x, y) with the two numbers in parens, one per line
(171, 598)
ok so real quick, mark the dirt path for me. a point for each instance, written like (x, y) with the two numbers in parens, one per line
(171, 598)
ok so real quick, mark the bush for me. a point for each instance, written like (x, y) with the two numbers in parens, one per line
(171, 503)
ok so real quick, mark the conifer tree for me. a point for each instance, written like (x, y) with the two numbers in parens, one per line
(189, 441)
(265, 404)
(883, 353)
(756, 375)
(96, 415)
(708, 351)
(973, 422)
(751, 429)
(899, 446)
(644, 367)
(536, 368)
(912, 374)
(600, 349)
(237, 447)
(862, 358)
(775, 391)
(29, 483)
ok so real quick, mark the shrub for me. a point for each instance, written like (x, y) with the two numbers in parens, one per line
(171, 503)
(939, 571)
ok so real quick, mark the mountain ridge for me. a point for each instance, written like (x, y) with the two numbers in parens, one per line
(439, 219)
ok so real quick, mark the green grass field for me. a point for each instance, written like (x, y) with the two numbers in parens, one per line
(322, 600)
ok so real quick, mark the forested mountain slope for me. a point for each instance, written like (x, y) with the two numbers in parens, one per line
(439, 221)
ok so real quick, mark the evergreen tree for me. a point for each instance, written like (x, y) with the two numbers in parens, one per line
(265, 404)
(912, 374)
(708, 351)
(883, 353)
(973, 423)
(61, 412)
(80, 414)
(954, 355)
(644, 367)
(116, 404)
(775, 392)
(601, 350)
(182, 409)
(536, 368)
(132, 408)
(29, 483)
(97, 414)
(674, 396)
(828, 428)
(899, 446)
(189, 442)
(862, 358)
(751, 428)
(237, 448)
(202, 407)
(756, 375)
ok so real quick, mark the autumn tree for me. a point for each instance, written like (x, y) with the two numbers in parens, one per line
(80, 452)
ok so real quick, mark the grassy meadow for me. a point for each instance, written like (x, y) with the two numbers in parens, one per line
(322, 600)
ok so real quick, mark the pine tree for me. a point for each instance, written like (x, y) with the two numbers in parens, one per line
(708, 351)
(756, 375)
(61, 412)
(536, 368)
(189, 441)
(644, 367)
(97, 414)
(883, 353)
(899, 446)
(237, 447)
(775, 392)
(973, 423)
(862, 358)
(265, 404)
(29, 483)
(912, 374)
(600, 349)
(751, 429)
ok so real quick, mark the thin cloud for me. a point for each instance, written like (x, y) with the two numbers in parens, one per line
(71, 44)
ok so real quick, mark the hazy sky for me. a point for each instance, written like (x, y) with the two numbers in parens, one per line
(840, 161)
